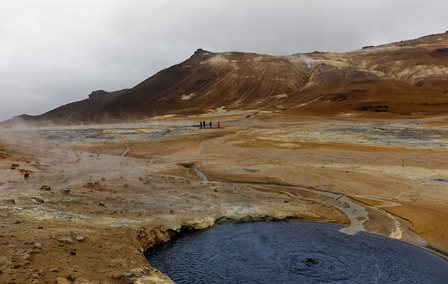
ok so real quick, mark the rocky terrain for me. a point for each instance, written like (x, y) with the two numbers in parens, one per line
(96, 197)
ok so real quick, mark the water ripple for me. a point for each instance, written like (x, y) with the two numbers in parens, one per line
(293, 252)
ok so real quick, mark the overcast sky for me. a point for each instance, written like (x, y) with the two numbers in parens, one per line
(53, 52)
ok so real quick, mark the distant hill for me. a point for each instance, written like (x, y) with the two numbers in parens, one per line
(403, 79)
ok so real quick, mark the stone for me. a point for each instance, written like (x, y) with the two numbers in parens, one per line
(38, 199)
(80, 238)
(45, 187)
(101, 203)
(3, 214)
(63, 239)
(145, 271)
(62, 281)
(71, 277)
(116, 276)
(127, 277)
(38, 245)
(65, 190)
(54, 269)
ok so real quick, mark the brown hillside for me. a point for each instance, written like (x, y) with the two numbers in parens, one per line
(408, 78)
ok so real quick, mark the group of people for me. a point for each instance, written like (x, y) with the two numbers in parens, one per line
(203, 125)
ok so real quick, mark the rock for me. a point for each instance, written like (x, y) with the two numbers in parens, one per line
(116, 276)
(101, 203)
(80, 238)
(3, 214)
(65, 190)
(54, 269)
(38, 199)
(45, 187)
(63, 239)
(127, 277)
(67, 240)
(145, 271)
(61, 281)
(40, 227)
(345, 205)
(103, 179)
(38, 245)
(71, 277)
(12, 200)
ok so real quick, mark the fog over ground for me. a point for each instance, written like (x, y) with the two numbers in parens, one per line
(54, 52)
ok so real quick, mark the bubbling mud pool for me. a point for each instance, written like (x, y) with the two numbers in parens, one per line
(293, 252)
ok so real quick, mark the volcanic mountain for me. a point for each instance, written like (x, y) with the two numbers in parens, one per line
(403, 79)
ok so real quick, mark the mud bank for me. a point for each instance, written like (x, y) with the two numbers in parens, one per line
(88, 218)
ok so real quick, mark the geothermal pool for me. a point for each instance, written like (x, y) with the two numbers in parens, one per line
(293, 252)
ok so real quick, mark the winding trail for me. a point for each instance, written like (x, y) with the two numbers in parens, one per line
(356, 212)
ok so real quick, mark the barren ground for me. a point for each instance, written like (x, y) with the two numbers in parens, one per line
(113, 191)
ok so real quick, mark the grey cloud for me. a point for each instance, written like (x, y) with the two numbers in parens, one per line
(54, 52)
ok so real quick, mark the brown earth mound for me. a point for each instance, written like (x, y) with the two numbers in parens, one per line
(408, 78)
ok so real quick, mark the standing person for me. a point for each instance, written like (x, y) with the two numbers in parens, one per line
(210, 123)
(200, 123)
(219, 125)
(203, 124)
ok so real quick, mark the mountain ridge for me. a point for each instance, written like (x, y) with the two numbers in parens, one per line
(403, 79)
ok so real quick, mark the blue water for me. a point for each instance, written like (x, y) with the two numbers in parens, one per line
(293, 252)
